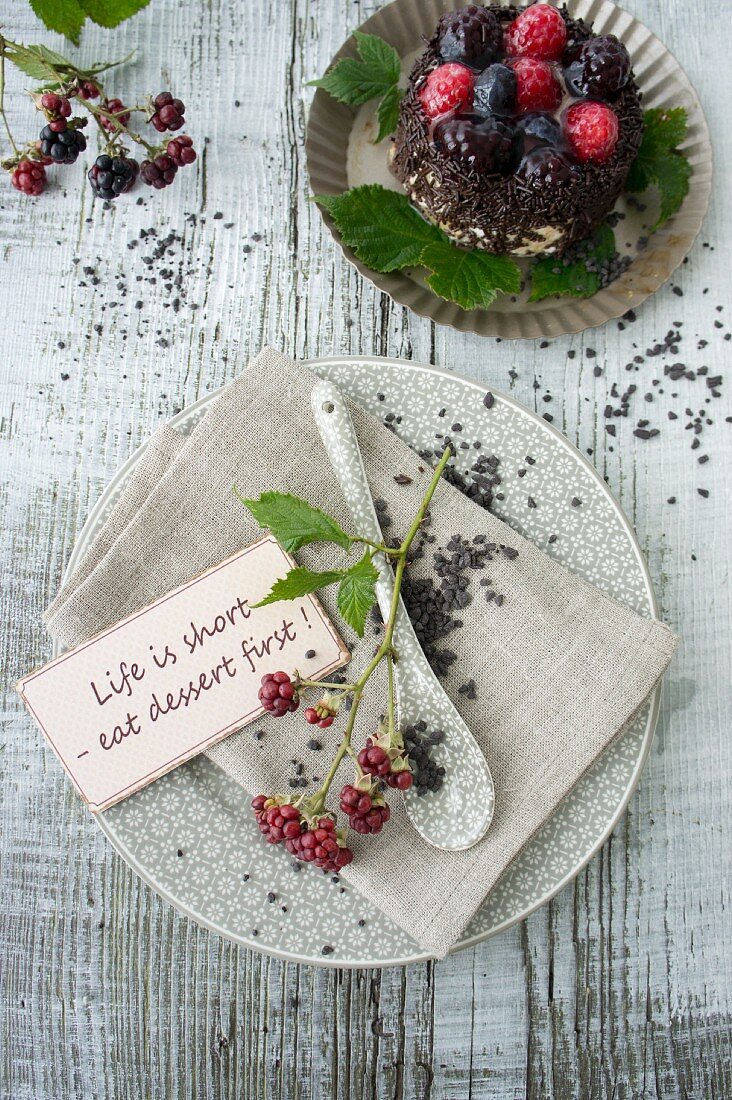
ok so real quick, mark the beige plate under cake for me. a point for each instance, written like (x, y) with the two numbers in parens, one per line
(339, 156)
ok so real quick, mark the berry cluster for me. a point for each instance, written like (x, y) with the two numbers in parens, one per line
(309, 838)
(307, 832)
(62, 139)
(492, 81)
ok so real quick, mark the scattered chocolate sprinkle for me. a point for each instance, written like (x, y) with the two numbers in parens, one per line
(309, 654)
(402, 479)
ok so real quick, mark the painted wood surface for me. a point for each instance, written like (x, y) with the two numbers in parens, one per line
(621, 987)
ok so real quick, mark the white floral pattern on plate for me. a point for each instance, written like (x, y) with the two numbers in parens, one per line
(224, 873)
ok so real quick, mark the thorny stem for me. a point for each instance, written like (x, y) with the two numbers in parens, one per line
(386, 649)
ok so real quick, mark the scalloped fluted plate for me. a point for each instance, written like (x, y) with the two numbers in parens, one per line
(200, 812)
(339, 156)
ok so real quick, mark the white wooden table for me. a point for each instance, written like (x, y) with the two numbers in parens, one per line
(622, 986)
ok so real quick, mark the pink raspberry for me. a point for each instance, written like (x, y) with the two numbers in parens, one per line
(447, 89)
(592, 131)
(537, 88)
(539, 32)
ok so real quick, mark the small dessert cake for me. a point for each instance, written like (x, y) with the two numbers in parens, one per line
(518, 128)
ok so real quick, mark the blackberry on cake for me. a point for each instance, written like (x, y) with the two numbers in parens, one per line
(518, 128)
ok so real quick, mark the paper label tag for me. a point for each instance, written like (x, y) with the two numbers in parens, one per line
(165, 683)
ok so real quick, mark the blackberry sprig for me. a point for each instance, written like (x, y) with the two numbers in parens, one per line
(62, 140)
(307, 829)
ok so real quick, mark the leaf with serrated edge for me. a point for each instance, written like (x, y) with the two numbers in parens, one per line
(387, 113)
(110, 13)
(470, 279)
(354, 81)
(65, 16)
(658, 161)
(380, 226)
(672, 179)
(356, 594)
(294, 522)
(299, 582)
(573, 280)
(30, 63)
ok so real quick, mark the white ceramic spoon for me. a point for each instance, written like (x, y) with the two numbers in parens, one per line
(458, 815)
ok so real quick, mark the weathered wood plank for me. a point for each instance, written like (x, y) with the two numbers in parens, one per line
(621, 986)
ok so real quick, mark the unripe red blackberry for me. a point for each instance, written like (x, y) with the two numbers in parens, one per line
(366, 810)
(159, 172)
(117, 108)
(180, 150)
(374, 760)
(29, 177)
(277, 694)
(321, 845)
(168, 113)
(276, 821)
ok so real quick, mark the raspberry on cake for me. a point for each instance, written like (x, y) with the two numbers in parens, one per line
(518, 128)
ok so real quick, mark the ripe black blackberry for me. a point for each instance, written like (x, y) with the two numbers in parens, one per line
(62, 148)
(112, 176)
(600, 69)
(472, 35)
(544, 168)
(487, 145)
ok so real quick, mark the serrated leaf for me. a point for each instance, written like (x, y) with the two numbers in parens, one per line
(65, 16)
(110, 13)
(672, 178)
(294, 522)
(659, 163)
(299, 582)
(470, 279)
(551, 277)
(356, 594)
(380, 226)
(355, 81)
(387, 113)
(30, 62)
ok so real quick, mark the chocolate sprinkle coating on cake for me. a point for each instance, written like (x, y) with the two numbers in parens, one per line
(500, 213)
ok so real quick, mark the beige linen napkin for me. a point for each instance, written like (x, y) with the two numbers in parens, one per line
(559, 669)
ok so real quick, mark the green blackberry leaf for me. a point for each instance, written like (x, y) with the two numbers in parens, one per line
(552, 277)
(294, 522)
(299, 582)
(384, 231)
(659, 163)
(387, 113)
(357, 593)
(65, 16)
(470, 279)
(373, 75)
(354, 81)
(110, 13)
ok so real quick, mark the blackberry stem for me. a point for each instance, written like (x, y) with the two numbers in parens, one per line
(386, 649)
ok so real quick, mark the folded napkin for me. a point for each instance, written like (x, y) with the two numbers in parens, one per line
(559, 668)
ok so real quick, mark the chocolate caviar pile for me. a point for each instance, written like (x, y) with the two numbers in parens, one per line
(518, 128)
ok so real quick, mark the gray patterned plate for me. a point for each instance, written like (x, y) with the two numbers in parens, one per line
(225, 872)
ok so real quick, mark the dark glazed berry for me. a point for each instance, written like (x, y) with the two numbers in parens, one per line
(495, 91)
(487, 145)
(277, 694)
(544, 168)
(159, 172)
(112, 176)
(472, 35)
(168, 113)
(600, 70)
(540, 129)
(62, 148)
(29, 177)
